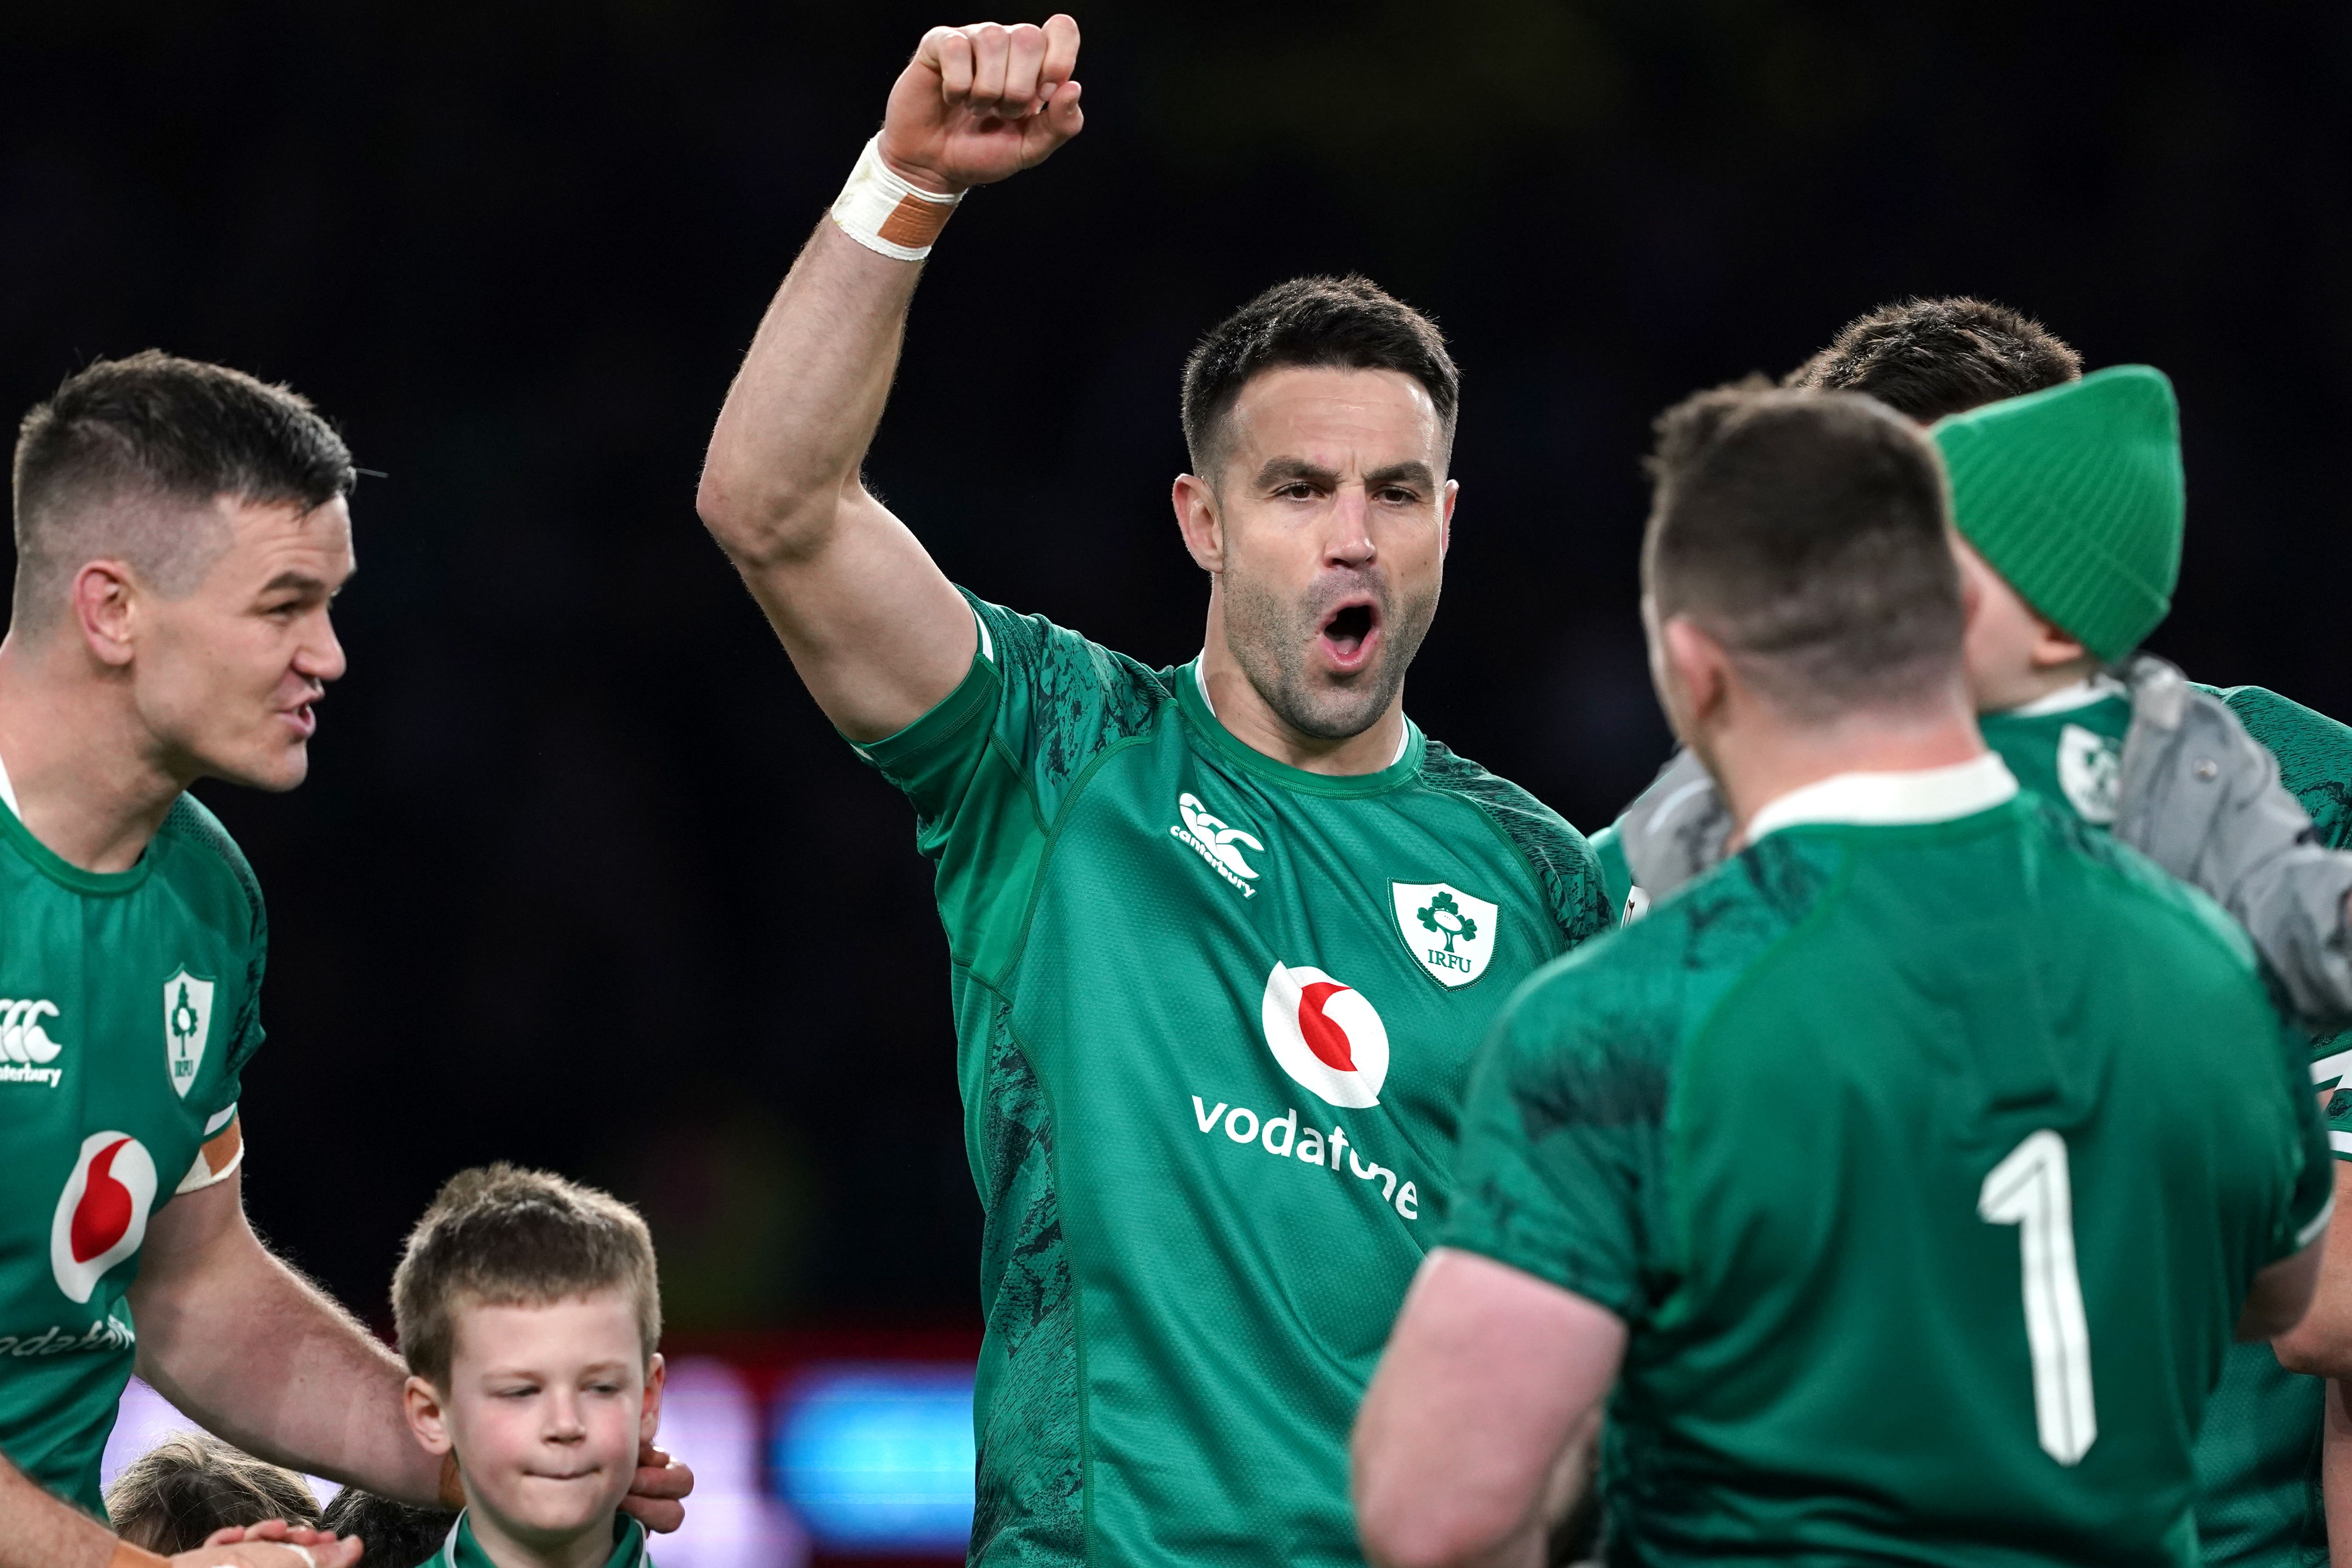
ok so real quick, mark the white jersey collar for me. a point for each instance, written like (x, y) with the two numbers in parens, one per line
(2066, 699)
(1201, 679)
(1889, 800)
(8, 795)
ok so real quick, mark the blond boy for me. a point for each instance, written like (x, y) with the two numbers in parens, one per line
(529, 1308)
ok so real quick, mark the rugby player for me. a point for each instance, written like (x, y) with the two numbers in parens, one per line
(1908, 1174)
(1223, 936)
(180, 530)
(2062, 592)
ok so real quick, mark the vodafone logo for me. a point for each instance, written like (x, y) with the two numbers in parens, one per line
(102, 1213)
(1325, 1035)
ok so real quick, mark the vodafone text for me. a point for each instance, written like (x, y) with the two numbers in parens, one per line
(106, 1334)
(1244, 1126)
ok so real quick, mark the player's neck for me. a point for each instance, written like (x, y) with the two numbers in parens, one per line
(1759, 762)
(87, 783)
(1236, 704)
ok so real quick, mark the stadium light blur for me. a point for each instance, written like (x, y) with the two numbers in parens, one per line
(876, 1458)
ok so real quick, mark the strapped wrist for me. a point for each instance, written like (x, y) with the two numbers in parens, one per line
(885, 213)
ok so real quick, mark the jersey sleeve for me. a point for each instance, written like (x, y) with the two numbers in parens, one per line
(987, 770)
(1626, 902)
(1562, 1148)
(218, 1099)
(2321, 1134)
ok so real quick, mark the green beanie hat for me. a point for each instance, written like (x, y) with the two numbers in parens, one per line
(2075, 494)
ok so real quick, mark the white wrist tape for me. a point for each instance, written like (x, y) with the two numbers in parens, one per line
(884, 213)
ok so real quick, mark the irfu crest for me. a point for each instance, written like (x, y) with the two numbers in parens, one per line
(187, 1026)
(1449, 932)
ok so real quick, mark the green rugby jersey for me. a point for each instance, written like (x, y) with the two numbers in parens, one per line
(1865, 1134)
(461, 1549)
(2258, 1451)
(132, 1005)
(1214, 1017)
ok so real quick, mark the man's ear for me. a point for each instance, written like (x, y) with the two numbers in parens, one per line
(1445, 517)
(649, 1421)
(1195, 501)
(1701, 669)
(105, 610)
(427, 1418)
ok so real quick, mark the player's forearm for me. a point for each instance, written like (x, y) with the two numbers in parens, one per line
(805, 404)
(258, 1354)
(38, 1530)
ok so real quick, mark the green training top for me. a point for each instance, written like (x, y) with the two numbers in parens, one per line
(1865, 1134)
(130, 1004)
(1214, 1017)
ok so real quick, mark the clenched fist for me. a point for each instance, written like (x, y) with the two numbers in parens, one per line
(979, 103)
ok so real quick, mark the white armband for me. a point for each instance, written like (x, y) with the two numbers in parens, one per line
(884, 213)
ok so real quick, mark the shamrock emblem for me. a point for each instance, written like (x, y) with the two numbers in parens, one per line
(1445, 918)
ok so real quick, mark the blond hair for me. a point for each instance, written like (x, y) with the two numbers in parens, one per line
(498, 1235)
(184, 1487)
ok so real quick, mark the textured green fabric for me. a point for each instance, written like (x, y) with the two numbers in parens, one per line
(1191, 1253)
(99, 1116)
(2075, 495)
(1758, 1124)
(2258, 1455)
(1616, 875)
(461, 1549)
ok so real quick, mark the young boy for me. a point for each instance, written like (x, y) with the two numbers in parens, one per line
(527, 1308)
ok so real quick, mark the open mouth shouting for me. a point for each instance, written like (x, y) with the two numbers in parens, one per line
(1349, 634)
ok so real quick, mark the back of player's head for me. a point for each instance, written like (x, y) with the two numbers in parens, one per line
(1807, 533)
(125, 461)
(1333, 324)
(180, 1490)
(498, 1235)
(396, 1534)
(1928, 358)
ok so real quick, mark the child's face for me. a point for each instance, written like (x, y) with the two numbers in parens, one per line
(546, 1406)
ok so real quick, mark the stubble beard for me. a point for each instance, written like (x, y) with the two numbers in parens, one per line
(1269, 637)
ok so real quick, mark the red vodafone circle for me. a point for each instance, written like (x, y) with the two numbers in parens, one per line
(1326, 1034)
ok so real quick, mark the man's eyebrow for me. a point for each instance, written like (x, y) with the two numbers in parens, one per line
(301, 582)
(1291, 470)
(1415, 473)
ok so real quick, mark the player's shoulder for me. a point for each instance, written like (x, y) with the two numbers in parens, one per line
(1655, 979)
(1058, 659)
(2313, 752)
(206, 850)
(1559, 856)
(2132, 902)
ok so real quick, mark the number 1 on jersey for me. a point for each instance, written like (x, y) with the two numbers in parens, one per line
(2029, 1190)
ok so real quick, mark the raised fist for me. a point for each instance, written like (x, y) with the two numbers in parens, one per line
(979, 103)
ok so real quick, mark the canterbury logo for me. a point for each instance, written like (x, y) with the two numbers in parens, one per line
(26, 1048)
(1217, 844)
(22, 1039)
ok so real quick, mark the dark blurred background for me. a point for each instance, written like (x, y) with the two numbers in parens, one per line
(582, 877)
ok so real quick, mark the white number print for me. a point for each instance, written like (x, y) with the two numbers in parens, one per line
(2029, 1190)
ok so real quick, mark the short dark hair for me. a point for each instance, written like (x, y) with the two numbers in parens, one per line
(1809, 532)
(1927, 358)
(180, 1490)
(1338, 323)
(396, 1534)
(498, 1235)
(118, 462)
